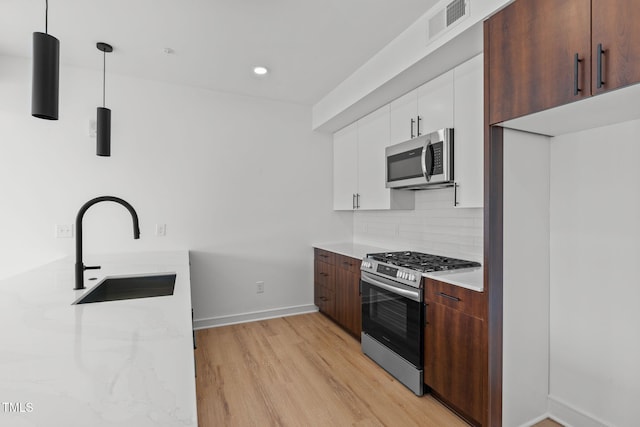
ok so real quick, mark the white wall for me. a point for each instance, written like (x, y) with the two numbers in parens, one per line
(595, 276)
(435, 226)
(241, 182)
(525, 372)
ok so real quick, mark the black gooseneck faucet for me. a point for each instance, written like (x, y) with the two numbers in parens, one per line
(80, 267)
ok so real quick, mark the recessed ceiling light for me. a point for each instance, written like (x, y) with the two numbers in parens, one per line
(260, 70)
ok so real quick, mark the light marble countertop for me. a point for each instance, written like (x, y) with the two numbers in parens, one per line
(115, 363)
(469, 278)
(350, 249)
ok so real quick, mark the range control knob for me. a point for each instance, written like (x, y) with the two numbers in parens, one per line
(412, 277)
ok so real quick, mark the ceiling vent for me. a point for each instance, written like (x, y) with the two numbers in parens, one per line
(446, 17)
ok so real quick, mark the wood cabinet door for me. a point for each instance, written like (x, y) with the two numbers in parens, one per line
(531, 48)
(454, 358)
(348, 302)
(616, 27)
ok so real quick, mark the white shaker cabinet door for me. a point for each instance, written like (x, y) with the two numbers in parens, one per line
(469, 133)
(435, 104)
(345, 167)
(402, 111)
(373, 137)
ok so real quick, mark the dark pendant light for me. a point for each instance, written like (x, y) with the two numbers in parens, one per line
(103, 147)
(46, 73)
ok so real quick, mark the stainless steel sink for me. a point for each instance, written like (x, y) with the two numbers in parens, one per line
(129, 287)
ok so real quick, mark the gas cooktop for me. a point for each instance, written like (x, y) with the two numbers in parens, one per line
(422, 262)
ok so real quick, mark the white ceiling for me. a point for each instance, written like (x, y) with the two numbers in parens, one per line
(310, 46)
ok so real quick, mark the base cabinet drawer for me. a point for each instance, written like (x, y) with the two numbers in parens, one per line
(470, 302)
(337, 289)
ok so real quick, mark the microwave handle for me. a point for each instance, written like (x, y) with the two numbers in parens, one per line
(426, 165)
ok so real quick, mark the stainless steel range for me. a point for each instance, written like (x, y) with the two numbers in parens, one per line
(393, 310)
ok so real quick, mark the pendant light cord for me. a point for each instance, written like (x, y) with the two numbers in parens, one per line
(104, 74)
(46, 17)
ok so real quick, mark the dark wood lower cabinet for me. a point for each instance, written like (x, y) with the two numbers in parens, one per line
(454, 348)
(337, 289)
(348, 303)
(324, 287)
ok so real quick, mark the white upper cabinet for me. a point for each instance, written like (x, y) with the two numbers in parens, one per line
(345, 167)
(469, 133)
(435, 104)
(452, 100)
(403, 118)
(359, 166)
(423, 110)
(373, 137)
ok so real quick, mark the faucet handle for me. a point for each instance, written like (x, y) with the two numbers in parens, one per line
(92, 267)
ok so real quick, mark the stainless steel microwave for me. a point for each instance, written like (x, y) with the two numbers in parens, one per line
(421, 162)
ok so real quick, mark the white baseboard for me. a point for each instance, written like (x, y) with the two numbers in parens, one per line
(232, 319)
(569, 416)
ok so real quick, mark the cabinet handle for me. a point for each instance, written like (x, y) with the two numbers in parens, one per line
(357, 200)
(418, 126)
(353, 200)
(442, 294)
(601, 51)
(576, 88)
(412, 123)
(324, 256)
(455, 194)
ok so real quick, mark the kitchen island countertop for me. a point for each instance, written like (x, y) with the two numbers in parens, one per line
(115, 363)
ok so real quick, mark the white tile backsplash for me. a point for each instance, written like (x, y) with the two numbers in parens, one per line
(434, 226)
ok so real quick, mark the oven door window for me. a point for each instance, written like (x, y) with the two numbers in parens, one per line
(394, 321)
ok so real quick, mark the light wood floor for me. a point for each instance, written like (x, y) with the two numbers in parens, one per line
(548, 423)
(301, 371)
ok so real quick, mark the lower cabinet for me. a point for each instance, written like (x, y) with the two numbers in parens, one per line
(337, 289)
(324, 287)
(348, 302)
(454, 348)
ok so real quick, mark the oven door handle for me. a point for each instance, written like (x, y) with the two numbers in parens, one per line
(412, 295)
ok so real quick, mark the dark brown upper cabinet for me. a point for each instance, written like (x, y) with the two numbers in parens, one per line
(616, 30)
(544, 53)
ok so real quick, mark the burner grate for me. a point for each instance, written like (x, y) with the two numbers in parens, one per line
(421, 261)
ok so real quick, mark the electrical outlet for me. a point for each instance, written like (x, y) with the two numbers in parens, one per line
(64, 231)
(260, 287)
(161, 230)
